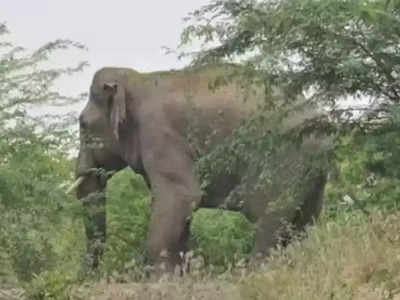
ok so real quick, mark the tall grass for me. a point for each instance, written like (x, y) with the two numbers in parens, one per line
(357, 258)
(354, 257)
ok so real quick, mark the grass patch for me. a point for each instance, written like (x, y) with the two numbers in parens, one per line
(357, 258)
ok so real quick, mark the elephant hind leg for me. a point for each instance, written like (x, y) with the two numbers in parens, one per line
(312, 202)
(271, 231)
(281, 226)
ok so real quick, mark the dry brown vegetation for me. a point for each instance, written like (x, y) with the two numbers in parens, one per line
(359, 259)
(356, 257)
(184, 288)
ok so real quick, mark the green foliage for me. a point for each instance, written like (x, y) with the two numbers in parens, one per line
(128, 214)
(26, 83)
(221, 237)
(34, 168)
(51, 285)
(330, 48)
(367, 176)
(30, 197)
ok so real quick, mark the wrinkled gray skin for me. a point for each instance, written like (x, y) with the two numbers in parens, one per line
(154, 124)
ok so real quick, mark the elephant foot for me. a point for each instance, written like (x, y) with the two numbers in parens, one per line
(177, 265)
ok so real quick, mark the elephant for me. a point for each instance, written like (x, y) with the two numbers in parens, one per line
(157, 124)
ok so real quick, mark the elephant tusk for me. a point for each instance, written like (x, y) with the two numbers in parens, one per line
(75, 185)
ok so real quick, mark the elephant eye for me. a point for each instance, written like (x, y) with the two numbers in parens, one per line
(83, 123)
(112, 87)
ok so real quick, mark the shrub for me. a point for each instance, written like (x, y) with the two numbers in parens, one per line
(128, 214)
(354, 259)
(221, 237)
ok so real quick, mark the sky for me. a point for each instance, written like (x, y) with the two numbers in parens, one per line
(126, 33)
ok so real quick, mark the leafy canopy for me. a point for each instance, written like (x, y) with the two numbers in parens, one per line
(26, 82)
(331, 49)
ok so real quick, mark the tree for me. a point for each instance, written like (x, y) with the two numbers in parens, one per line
(25, 82)
(33, 161)
(331, 49)
(334, 52)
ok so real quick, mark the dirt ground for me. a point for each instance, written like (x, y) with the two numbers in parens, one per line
(175, 289)
(12, 294)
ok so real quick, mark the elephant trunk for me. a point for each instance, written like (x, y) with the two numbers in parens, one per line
(90, 188)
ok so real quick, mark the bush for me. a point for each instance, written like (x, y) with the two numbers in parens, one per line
(51, 285)
(366, 174)
(354, 259)
(221, 237)
(32, 203)
(128, 214)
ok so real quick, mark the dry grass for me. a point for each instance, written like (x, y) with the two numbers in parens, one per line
(357, 258)
(184, 288)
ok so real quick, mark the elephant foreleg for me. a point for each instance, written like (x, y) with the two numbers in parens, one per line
(175, 189)
(169, 231)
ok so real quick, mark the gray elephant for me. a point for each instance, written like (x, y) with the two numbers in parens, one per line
(158, 124)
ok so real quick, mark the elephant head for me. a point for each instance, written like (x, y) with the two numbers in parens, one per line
(100, 152)
(100, 124)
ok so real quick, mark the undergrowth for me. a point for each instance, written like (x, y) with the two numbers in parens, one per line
(356, 258)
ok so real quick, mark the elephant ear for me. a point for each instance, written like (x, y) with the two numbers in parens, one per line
(117, 107)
